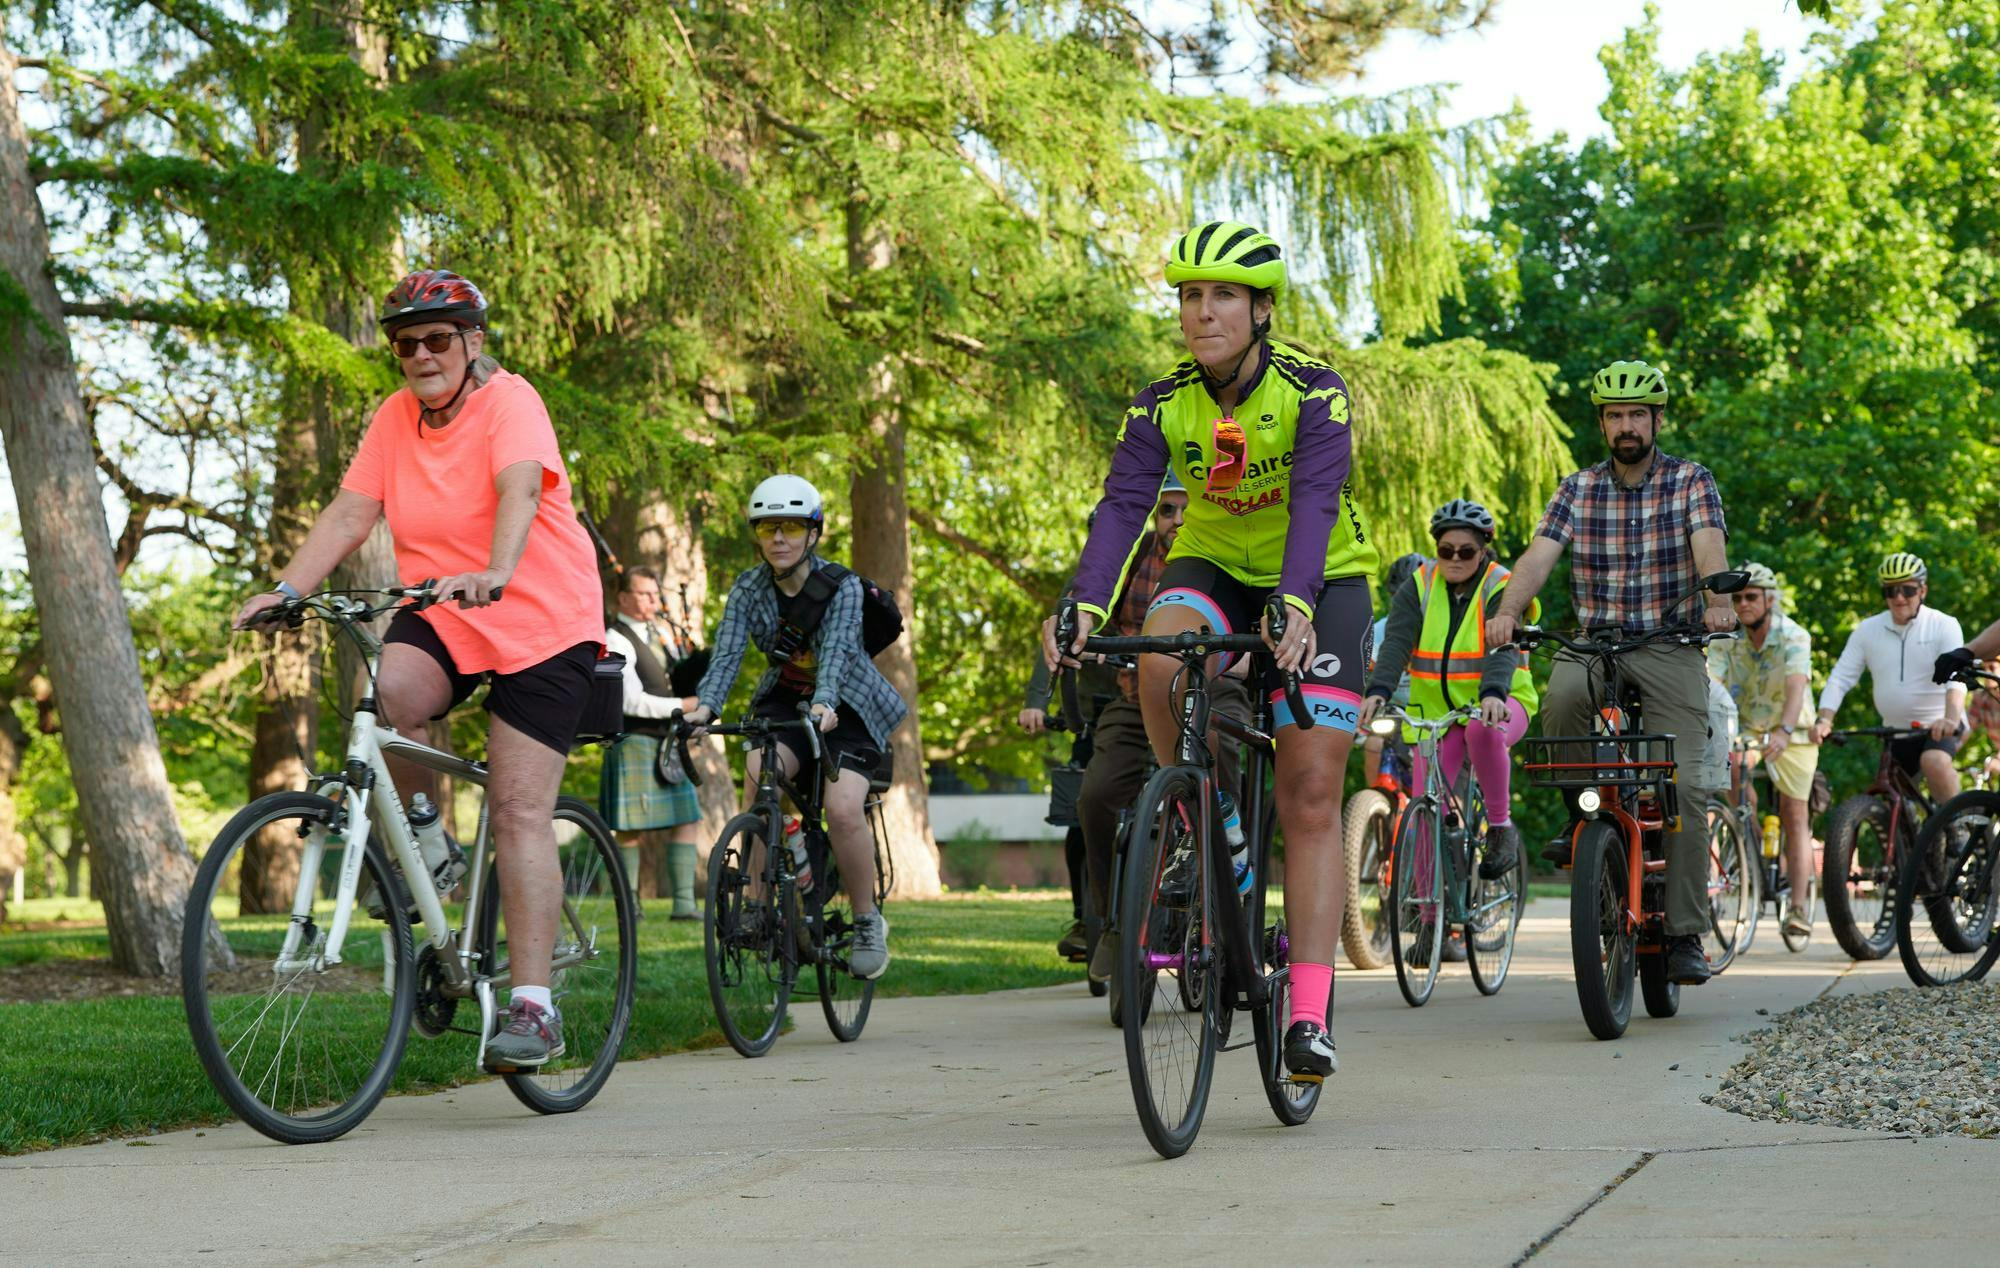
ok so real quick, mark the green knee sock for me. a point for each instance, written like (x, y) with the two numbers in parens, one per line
(680, 866)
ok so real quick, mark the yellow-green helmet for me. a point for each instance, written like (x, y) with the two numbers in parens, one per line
(1226, 251)
(1628, 383)
(1902, 566)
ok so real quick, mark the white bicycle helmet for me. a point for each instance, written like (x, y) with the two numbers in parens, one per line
(785, 497)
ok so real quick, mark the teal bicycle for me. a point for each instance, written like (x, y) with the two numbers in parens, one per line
(1434, 880)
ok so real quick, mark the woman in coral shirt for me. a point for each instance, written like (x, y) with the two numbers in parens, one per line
(463, 461)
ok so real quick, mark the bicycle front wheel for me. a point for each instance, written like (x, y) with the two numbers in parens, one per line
(1365, 828)
(1732, 886)
(1948, 894)
(594, 964)
(1860, 908)
(1602, 944)
(1493, 923)
(1168, 955)
(843, 998)
(300, 1049)
(745, 938)
(1416, 903)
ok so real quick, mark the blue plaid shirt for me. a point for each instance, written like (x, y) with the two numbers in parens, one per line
(1632, 559)
(844, 677)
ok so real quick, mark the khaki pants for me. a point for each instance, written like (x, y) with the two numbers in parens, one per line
(1673, 695)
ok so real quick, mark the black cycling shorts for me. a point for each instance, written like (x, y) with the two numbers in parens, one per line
(848, 746)
(1909, 751)
(1332, 684)
(543, 702)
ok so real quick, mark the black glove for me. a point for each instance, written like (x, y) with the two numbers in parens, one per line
(1952, 664)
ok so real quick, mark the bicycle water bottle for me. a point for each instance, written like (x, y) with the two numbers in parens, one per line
(1770, 843)
(442, 857)
(795, 841)
(1232, 832)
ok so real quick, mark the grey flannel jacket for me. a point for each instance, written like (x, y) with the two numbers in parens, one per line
(845, 679)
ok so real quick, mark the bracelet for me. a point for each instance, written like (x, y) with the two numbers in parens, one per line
(287, 589)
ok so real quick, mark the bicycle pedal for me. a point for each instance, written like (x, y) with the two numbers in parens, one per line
(1304, 1080)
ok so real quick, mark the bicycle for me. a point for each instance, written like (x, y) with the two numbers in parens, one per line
(756, 933)
(1190, 958)
(1368, 826)
(1065, 792)
(1865, 837)
(1735, 817)
(1434, 881)
(1626, 795)
(299, 1025)
(1952, 872)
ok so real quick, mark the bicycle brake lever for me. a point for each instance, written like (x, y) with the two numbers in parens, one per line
(1275, 618)
(1066, 621)
(681, 729)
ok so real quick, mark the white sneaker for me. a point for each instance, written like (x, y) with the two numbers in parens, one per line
(868, 956)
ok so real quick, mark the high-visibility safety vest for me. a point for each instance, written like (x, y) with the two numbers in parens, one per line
(1451, 660)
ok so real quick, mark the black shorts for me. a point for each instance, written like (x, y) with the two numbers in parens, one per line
(543, 702)
(1332, 684)
(848, 746)
(1909, 752)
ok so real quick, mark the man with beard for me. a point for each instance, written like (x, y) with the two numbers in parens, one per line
(1768, 673)
(1647, 528)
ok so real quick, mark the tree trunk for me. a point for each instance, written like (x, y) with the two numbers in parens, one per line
(879, 503)
(140, 864)
(13, 846)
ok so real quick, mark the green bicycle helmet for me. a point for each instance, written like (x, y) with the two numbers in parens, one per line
(1227, 251)
(1628, 383)
(1902, 566)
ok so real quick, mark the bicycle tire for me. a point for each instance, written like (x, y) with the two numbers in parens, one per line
(745, 943)
(1602, 949)
(1941, 874)
(1729, 856)
(1365, 830)
(1489, 942)
(1662, 995)
(1170, 1093)
(1292, 1103)
(1416, 886)
(308, 1110)
(844, 999)
(1846, 877)
(595, 997)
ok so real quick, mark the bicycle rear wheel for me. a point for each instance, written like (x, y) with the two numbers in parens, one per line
(1603, 948)
(1948, 894)
(1493, 924)
(843, 998)
(301, 1054)
(746, 940)
(596, 962)
(1416, 903)
(1169, 1050)
(1860, 907)
(1365, 827)
(1732, 886)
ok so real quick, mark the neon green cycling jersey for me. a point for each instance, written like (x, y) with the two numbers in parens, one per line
(1290, 523)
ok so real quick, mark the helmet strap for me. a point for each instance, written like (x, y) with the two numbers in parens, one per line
(1213, 385)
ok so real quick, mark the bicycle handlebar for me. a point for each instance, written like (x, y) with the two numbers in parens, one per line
(757, 728)
(1876, 732)
(1532, 636)
(341, 605)
(1393, 715)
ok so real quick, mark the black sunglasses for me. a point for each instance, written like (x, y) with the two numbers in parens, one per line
(435, 342)
(1908, 590)
(1447, 553)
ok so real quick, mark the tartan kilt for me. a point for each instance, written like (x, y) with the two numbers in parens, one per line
(630, 795)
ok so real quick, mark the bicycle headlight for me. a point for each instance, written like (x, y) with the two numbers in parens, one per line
(1383, 726)
(1589, 801)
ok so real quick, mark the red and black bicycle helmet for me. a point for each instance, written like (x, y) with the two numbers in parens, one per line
(434, 295)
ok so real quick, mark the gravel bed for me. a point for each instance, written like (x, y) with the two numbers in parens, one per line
(1924, 1062)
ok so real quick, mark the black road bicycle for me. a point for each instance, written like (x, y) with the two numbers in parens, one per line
(759, 931)
(1192, 951)
(1946, 915)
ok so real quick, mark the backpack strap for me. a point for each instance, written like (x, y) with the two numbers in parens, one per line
(810, 604)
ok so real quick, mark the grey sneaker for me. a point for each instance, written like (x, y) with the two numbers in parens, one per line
(1797, 923)
(1102, 956)
(530, 1036)
(868, 957)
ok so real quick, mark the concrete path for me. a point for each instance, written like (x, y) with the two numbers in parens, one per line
(999, 1129)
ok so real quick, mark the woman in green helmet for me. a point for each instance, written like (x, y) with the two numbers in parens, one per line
(1259, 433)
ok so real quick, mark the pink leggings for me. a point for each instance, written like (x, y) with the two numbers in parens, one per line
(1489, 745)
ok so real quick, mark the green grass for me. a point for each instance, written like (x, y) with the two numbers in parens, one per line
(116, 1066)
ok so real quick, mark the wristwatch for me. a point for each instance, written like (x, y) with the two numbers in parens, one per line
(1786, 727)
(287, 589)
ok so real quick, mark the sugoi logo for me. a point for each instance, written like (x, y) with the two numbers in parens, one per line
(1267, 422)
(1325, 665)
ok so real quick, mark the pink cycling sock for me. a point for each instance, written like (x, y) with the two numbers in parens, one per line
(1312, 991)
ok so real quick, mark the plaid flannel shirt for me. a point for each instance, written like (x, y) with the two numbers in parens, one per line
(1632, 559)
(844, 676)
(1129, 616)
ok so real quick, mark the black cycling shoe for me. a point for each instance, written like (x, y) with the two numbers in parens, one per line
(1453, 953)
(1557, 852)
(1176, 888)
(1309, 1055)
(1687, 963)
(1074, 945)
(1503, 850)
